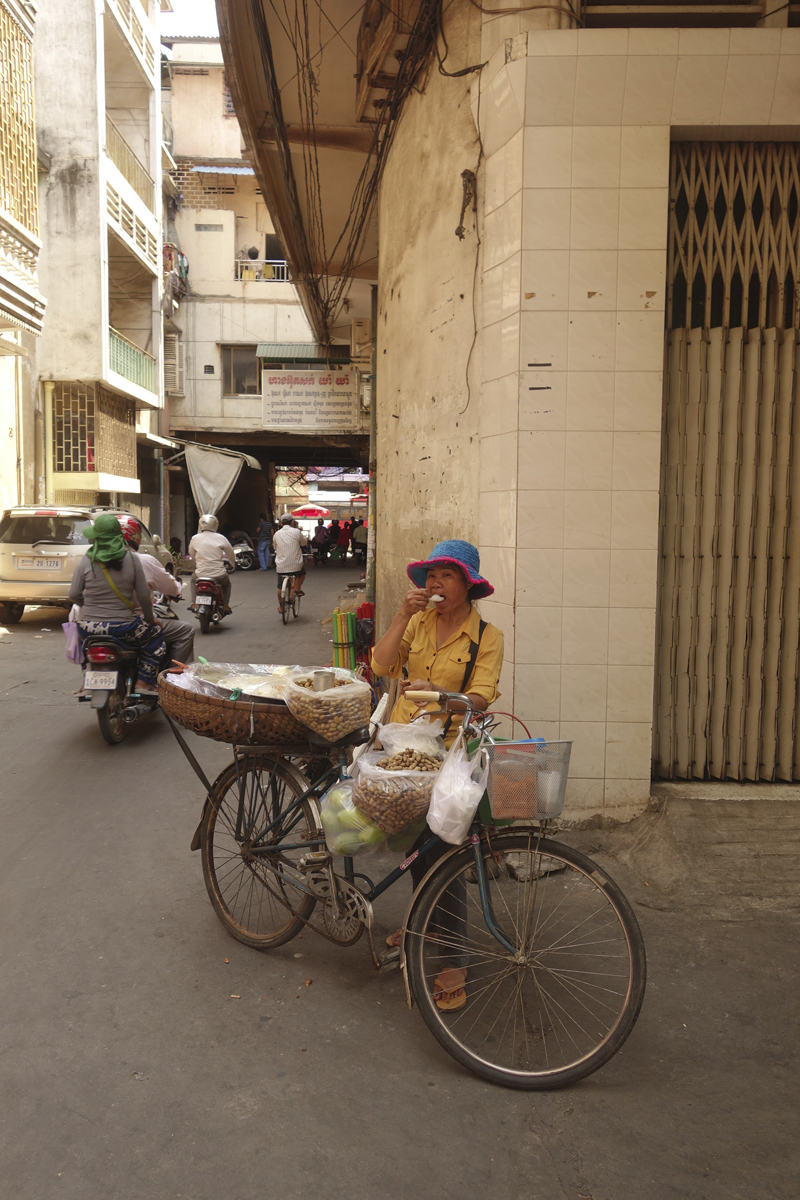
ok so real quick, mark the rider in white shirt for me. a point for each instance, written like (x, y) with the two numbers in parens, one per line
(210, 549)
(288, 543)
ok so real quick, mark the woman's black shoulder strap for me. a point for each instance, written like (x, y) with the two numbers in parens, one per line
(474, 647)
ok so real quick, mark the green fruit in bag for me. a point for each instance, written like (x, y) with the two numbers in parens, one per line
(372, 836)
(347, 844)
(351, 818)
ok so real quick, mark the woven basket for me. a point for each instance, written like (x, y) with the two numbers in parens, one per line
(237, 722)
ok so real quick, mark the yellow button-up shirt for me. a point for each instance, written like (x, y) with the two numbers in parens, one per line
(445, 666)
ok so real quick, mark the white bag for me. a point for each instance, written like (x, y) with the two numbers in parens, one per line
(457, 792)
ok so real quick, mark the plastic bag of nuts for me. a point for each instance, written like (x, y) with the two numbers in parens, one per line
(332, 713)
(393, 791)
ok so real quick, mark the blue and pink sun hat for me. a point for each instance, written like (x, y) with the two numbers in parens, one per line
(457, 554)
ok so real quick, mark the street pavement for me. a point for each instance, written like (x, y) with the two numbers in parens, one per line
(146, 1054)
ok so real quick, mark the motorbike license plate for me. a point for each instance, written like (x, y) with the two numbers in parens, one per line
(38, 564)
(99, 679)
(203, 599)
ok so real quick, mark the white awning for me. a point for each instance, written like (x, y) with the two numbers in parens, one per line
(213, 473)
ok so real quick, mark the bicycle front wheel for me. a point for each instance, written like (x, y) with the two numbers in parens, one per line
(285, 607)
(559, 1007)
(250, 844)
(296, 605)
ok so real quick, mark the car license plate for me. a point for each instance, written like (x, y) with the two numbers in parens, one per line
(38, 564)
(99, 679)
(203, 599)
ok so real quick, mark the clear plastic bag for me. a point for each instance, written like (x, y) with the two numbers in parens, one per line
(347, 831)
(391, 799)
(336, 711)
(263, 681)
(457, 792)
(424, 735)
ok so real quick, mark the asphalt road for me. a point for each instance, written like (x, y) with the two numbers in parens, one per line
(128, 1068)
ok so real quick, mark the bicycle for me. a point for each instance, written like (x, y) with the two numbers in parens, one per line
(555, 961)
(290, 601)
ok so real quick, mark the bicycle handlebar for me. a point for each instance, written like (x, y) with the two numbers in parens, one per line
(425, 697)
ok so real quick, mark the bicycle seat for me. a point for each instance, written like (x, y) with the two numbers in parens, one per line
(357, 738)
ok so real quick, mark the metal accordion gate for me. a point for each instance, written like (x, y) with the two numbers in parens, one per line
(728, 622)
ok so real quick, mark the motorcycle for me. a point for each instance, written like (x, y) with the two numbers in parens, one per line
(245, 558)
(209, 602)
(320, 551)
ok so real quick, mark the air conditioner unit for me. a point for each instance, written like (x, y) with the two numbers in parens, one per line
(174, 352)
(361, 337)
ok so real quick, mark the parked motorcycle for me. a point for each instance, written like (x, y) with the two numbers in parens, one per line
(109, 680)
(209, 602)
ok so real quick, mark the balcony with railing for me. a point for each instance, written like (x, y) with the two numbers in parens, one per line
(268, 270)
(133, 364)
(136, 27)
(129, 166)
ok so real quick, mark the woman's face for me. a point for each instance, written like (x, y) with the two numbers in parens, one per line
(448, 582)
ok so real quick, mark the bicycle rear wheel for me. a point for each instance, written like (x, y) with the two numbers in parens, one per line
(295, 604)
(285, 604)
(566, 1001)
(250, 871)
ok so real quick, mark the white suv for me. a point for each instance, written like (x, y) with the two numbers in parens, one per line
(39, 547)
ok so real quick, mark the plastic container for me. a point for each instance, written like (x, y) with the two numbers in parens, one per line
(527, 780)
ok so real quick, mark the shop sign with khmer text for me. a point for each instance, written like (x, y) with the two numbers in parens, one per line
(308, 400)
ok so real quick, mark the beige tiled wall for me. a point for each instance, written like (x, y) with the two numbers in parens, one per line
(576, 132)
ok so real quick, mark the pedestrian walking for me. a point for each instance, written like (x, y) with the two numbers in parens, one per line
(263, 539)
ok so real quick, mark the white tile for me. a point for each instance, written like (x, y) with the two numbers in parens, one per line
(603, 41)
(625, 799)
(652, 41)
(595, 156)
(494, 32)
(749, 88)
(500, 113)
(547, 156)
(755, 41)
(649, 89)
(644, 156)
(594, 219)
(537, 691)
(551, 91)
(542, 399)
(501, 615)
(790, 41)
(628, 750)
(600, 88)
(641, 280)
(588, 461)
(584, 638)
(587, 520)
(640, 341)
(630, 694)
(546, 42)
(634, 520)
(545, 218)
(587, 759)
(499, 401)
(638, 400)
(699, 85)
(545, 280)
(786, 97)
(631, 637)
(584, 798)
(592, 337)
(586, 576)
(643, 218)
(539, 577)
(497, 518)
(583, 692)
(500, 348)
(637, 461)
(633, 578)
(704, 41)
(502, 232)
(504, 173)
(541, 520)
(592, 280)
(517, 70)
(501, 290)
(498, 462)
(502, 573)
(543, 341)
(590, 400)
(541, 459)
(538, 635)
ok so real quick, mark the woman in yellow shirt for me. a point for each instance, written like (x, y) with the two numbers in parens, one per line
(446, 647)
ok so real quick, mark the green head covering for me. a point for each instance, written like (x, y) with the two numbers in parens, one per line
(106, 538)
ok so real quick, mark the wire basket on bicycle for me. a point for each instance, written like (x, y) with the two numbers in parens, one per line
(527, 780)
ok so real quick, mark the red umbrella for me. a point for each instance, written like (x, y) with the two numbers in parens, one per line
(360, 500)
(311, 510)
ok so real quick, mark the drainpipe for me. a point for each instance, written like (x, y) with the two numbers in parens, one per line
(38, 453)
(49, 484)
(373, 440)
(161, 492)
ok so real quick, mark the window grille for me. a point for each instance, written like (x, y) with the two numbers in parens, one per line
(173, 364)
(734, 235)
(137, 234)
(73, 427)
(227, 100)
(116, 435)
(18, 183)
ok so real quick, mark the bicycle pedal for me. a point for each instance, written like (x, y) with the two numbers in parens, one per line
(314, 860)
(389, 959)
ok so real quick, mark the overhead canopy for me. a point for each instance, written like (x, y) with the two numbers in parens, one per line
(305, 351)
(206, 170)
(213, 473)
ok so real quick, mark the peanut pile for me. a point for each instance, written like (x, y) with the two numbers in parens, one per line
(307, 683)
(410, 760)
(327, 714)
(396, 801)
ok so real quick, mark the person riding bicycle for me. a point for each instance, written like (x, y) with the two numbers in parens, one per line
(210, 549)
(438, 634)
(288, 544)
(178, 635)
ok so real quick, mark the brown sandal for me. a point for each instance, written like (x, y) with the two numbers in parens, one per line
(394, 939)
(449, 992)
